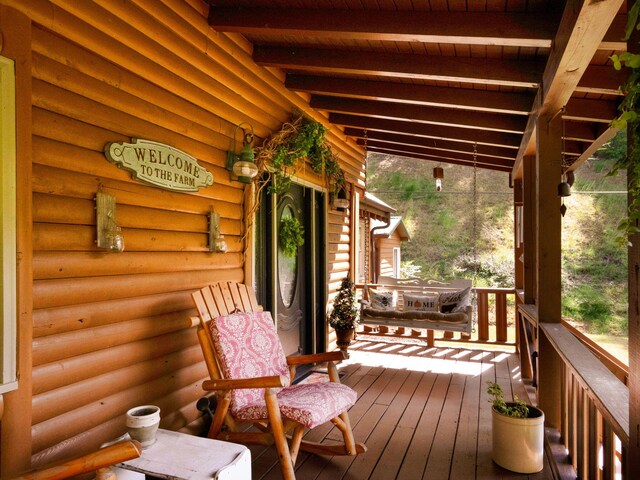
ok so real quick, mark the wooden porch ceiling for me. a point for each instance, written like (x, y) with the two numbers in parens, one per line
(432, 80)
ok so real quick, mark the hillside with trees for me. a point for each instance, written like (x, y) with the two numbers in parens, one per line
(455, 233)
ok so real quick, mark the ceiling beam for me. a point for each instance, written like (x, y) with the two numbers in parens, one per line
(463, 98)
(468, 135)
(469, 157)
(435, 144)
(489, 71)
(442, 159)
(601, 80)
(512, 29)
(583, 26)
(420, 113)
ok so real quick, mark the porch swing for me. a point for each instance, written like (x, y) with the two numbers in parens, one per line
(425, 304)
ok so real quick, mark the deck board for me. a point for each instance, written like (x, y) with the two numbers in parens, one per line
(422, 412)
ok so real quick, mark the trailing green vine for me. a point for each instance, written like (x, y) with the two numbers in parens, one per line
(290, 236)
(301, 138)
(629, 119)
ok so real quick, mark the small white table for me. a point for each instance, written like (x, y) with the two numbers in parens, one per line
(180, 456)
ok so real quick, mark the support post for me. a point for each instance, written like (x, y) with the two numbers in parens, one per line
(529, 219)
(549, 254)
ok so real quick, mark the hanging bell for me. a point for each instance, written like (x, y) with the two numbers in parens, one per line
(564, 189)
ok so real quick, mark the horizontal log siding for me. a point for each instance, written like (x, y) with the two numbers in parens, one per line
(386, 253)
(110, 330)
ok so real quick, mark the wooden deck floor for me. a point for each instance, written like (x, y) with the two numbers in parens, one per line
(422, 412)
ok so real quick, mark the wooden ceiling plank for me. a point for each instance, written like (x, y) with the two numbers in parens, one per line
(601, 80)
(583, 109)
(464, 28)
(462, 98)
(420, 113)
(441, 159)
(526, 74)
(583, 26)
(484, 137)
(436, 144)
(480, 159)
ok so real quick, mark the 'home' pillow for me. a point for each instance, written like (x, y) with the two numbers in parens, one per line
(383, 300)
(452, 302)
(420, 303)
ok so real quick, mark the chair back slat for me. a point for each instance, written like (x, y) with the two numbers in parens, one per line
(201, 305)
(225, 300)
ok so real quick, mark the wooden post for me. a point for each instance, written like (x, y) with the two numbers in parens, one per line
(15, 437)
(518, 241)
(549, 150)
(529, 220)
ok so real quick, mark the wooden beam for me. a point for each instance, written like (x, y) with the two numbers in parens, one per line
(607, 135)
(488, 71)
(484, 137)
(582, 28)
(549, 227)
(512, 29)
(463, 156)
(420, 113)
(463, 98)
(529, 227)
(442, 159)
(444, 145)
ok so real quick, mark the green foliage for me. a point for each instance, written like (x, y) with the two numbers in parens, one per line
(305, 140)
(629, 119)
(290, 236)
(345, 311)
(515, 409)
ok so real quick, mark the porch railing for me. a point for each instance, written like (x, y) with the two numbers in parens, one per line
(494, 320)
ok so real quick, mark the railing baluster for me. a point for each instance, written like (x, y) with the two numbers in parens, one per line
(483, 315)
(608, 452)
(501, 317)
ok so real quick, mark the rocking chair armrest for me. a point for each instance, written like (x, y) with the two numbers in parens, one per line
(276, 381)
(336, 355)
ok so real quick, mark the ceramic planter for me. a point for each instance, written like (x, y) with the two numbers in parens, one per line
(518, 443)
(142, 424)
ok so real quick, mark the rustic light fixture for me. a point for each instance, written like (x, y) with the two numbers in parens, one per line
(109, 233)
(242, 164)
(217, 242)
(438, 174)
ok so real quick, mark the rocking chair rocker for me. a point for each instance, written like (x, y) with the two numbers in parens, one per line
(251, 377)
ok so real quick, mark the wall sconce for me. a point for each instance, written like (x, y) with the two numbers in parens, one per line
(242, 164)
(438, 174)
(109, 233)
(217, 242)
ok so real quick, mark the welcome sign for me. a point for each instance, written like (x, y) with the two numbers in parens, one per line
(159, 164)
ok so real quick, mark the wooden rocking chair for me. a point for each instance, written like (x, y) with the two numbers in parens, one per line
(251, 378)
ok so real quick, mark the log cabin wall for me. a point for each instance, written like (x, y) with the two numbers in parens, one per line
(110, 331)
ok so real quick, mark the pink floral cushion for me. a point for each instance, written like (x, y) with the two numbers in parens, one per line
(248, 346)
(309, 404)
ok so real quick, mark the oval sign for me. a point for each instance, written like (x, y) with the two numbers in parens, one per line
(159, 164)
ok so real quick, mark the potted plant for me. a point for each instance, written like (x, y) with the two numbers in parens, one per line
(517, 433)
(344, 316)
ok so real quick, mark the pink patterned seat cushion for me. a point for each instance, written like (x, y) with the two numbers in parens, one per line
(248, 346)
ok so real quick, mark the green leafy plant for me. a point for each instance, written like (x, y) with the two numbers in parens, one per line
(345, 311)
(301, 138)
(629, 119)
(515, 409)
(290, 236)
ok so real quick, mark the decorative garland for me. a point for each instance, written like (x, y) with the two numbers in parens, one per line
(629, 119)
(290, 236)
(301, 138)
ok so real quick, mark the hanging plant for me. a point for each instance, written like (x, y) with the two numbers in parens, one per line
(301, 138)
(290, 236)
(629, 119)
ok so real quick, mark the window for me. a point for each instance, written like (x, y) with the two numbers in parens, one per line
(396, 262)
(8, 320)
